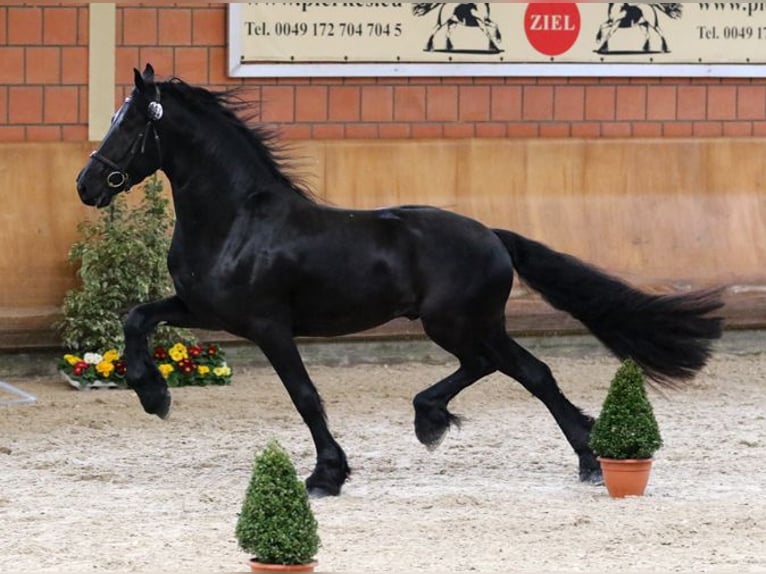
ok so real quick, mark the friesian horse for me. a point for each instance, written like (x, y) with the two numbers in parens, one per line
(254, 254)
(623, 15)
(469, 15)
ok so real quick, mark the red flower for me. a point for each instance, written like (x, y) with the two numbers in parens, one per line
(212, 350)
(80, 368)
(120, 367)
(194, 351)
(160, 354)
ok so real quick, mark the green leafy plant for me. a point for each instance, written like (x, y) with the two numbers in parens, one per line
(276, 524)
(121, 259)
(626, 428)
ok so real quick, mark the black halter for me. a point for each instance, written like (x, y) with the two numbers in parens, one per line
(119, 179)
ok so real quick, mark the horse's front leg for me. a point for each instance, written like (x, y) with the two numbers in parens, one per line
(143, 376)
(331, 469)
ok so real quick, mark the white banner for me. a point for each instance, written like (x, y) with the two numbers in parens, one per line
(557, 38)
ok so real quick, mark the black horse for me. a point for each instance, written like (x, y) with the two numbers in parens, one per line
(253, 254)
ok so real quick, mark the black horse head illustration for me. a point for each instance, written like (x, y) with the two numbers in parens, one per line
(454, 14)
(643, 16)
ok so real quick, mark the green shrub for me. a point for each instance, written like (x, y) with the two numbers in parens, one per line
(626, 427)
(122, 262)
(276, 524)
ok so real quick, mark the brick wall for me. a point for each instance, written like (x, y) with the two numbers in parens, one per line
(43, 88)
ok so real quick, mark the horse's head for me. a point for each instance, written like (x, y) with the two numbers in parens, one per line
(130, 151)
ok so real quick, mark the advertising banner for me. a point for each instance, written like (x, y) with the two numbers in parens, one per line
(497, 38)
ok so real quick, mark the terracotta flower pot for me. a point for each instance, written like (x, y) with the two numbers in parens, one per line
(625, 477)
(256, 566)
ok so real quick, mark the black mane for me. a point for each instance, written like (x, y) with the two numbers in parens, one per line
(241, 114)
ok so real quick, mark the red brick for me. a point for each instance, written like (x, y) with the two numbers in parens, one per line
(523, 129)
(647, 129)
(83, 22)
(616, 130)
(60, 26)
(708, 129)
(506, 103)
(586, 130)
(209, 26)
(692, 104)
(392, 131)
(362, 131)
(25, 105)
(25, 26)
(191, 64)
(61, 105)
(427, 131)
(490, 130)
(218, 67)
(12, 69)
(139, 26)
(600, 103)
(43, 133)
(161, 59)
(538, 103)
(661, 103)
(410, 103)
(569, 103)
(631, 103)
(678, 129)
(75, 133)
(311, 104)
(377, 103)
(722, 103)
(555, 130)
(474, 103)
(3, 25)
(12, 133)
(3, 105)
(327, 131)
(751, 102)
(175, 27)
(278, 104)
(345, 103)
(74, 65)
(459, 130)
(441, 103)
(295, 132)
(126, 58)
(43, 65)
(737, 129)
(759, 129)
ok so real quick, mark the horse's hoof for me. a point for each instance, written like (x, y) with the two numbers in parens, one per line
(317, 490)
(157, 404)
(592, 476)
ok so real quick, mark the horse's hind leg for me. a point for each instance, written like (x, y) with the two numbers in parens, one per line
(432, 419)
(516, 362)
(331, 469)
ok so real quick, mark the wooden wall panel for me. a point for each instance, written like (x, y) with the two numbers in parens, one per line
(663, 214)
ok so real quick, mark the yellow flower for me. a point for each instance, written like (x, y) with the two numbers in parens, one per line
(111, 356)
(224, 371)
(165, 370)
(72, 359)
(105, 368)
(203, 370)
(178, 352)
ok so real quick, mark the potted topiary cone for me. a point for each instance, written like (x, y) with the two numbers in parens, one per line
(626, 435)
(276, 525)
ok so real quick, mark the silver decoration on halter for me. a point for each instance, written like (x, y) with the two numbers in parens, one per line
(155, 111)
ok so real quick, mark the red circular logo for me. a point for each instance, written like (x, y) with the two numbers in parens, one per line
(552, 27)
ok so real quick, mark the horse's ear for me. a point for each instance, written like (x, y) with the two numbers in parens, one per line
(138, 80)
(149, 73)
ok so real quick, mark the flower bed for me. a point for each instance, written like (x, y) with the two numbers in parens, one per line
(180, 365)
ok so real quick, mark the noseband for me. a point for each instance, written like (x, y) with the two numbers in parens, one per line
(119, 179)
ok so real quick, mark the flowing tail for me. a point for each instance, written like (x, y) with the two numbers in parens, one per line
(669, 336)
